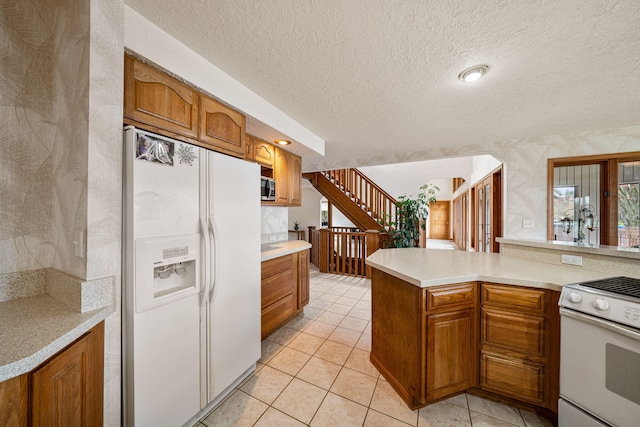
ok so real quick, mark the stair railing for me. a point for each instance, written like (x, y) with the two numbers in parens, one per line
(344, 252)
(365, 193)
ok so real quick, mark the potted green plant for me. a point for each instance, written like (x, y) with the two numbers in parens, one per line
(411, 216)
(296, 225)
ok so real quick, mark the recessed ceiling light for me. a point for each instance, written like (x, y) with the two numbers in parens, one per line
(283, 142)
(473, 73)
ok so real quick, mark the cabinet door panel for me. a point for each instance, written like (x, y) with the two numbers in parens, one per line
(153, 98)
(13, 401)
(522, 333)
(295, 180)
(513, 377)
(264, 153)
(303, 279)
(281, 175)
(450, 353)
(222, 127)
(68, 389)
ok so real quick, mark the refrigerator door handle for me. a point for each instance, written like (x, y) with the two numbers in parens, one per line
(214, 268)
(207, 252)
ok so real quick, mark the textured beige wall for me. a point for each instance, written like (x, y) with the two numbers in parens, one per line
(61, 142)
(27, 136)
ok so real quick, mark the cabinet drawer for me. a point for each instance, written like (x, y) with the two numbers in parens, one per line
(276, 314)
(277, 286)
(461, 294)
(518, 332)
(276, 265)
(514, 297)
(513, 377)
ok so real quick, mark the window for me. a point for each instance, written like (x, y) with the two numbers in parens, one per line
(629, 204)
(594, 199)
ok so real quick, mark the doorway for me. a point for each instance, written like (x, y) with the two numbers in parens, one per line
(486, 201)
(439, 220)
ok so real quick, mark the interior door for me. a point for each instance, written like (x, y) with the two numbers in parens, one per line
(486, 201)
(439, 220)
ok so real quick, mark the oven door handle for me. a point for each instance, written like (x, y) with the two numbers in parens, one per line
(603, 323)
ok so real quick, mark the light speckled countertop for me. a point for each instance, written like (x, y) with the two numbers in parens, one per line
(615, 251)
(35, 328)
(430, 267)
(278, 249)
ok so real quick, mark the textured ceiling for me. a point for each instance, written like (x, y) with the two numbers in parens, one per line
(379, 77)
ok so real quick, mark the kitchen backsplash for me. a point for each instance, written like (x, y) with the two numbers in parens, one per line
(274, 226)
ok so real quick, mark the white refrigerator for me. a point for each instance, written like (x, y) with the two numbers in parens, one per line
(191, 284)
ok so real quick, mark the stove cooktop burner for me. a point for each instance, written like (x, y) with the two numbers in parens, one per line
(617, 285)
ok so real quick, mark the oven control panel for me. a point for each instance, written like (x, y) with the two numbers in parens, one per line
(601, 304)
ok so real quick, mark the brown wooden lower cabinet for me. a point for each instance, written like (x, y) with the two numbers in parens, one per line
(450, 353)
(66, 390)
(432, 343)
(285, 290)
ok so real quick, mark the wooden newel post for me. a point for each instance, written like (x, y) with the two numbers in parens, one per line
(323, 252)
(373, 244)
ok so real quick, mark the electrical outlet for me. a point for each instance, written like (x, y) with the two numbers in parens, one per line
(572, 260)
(527, 223)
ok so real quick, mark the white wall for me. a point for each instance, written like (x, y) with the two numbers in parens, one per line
(309, 213)
(445, 188)
(482, 166)
(339, 220)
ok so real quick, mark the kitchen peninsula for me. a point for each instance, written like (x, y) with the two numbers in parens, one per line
(445, 322)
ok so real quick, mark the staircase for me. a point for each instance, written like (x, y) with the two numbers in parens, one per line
(365, 204)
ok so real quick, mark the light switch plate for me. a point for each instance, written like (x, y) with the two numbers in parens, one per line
(572, 260)
(78, 243)
(527, 223)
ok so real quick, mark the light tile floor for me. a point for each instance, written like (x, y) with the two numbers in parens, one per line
(315, 371)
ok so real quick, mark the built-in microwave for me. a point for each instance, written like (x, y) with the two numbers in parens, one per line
(267, 189)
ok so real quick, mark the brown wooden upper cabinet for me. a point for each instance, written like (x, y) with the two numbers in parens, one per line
(281, 175)
(288, 176)
(222, 128)
(284, 167)
(159, 101)
(264, 153)
(295, 180)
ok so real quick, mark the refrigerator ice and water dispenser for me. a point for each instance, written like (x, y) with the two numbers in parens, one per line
(167, 269)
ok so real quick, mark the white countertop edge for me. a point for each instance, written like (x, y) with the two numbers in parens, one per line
(450, 280)
(614, 251)
(277, 249)
(27, 364)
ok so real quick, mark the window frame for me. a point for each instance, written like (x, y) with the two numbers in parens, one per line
(608, 187)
